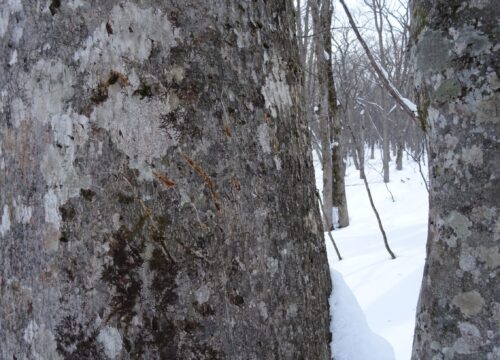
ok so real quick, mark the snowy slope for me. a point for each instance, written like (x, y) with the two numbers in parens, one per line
(386, 290)
(352, 337)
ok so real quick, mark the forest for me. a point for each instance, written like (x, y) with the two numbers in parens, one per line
(265, 179)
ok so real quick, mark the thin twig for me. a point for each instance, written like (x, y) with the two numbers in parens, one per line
(386, 243)
(417, 160)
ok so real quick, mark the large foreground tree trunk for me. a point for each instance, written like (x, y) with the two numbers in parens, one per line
(157, 196)
(456, 51)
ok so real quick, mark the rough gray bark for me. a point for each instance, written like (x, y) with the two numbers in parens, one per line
(157, 195)
(330, 117)
(319, 12)
(361, 147)
(456, 50)
(402, 134)
(339, 199)
(354, 157)
(386, 153)
(399, 154)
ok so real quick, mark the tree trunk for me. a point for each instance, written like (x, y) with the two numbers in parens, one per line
(157, 197)
(386, 153)
(372, 151)
(399, 155)
(354, 156)
(361, 148)
(339, 195)
(339, 200)
(318, 16)
(456, 54)
(401, 142)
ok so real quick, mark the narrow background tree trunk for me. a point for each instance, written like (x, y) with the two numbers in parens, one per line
(399, 155)
(386, 152)
(157, 197)
(319, 12)
(339, 200)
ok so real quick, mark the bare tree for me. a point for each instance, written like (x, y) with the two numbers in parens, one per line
(405, 104)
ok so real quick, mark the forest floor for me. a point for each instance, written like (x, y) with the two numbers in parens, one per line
(386, 290)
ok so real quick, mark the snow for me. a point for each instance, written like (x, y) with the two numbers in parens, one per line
(410, 104)
(386, 290)
(384, 71)
(352, 338)
(335, 217)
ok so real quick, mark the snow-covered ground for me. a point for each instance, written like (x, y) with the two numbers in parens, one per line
(386, 290)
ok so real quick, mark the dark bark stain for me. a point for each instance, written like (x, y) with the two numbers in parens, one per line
(203, 309)
(100, 93)
(67, 212)
(54, 6)
(109, 29)
(126, 247)
(143, 91)
(74, 343)
(87, 194)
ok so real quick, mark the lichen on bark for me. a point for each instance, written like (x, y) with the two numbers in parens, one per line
(455, 50)
(141, 215)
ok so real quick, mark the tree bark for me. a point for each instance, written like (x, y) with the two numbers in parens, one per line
(386, 151)
(455, 54)
(361, 148)
(339, 199)
(354, 156)
(399, 155)
(157, 193)
(318, 10)
(358, 145)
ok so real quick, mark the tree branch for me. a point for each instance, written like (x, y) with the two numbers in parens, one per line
(405, 104)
